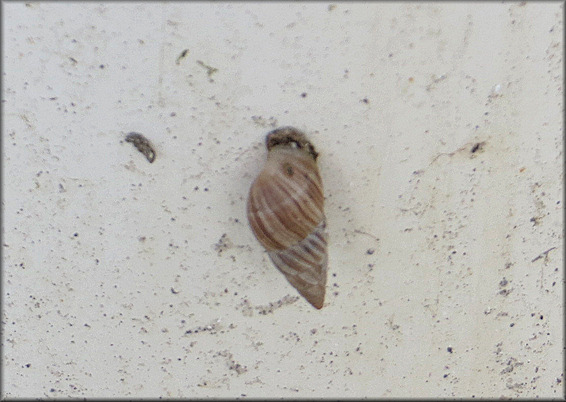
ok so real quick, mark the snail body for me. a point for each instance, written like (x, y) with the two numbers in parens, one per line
(286, 212)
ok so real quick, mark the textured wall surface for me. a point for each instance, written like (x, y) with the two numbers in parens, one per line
(439, 127)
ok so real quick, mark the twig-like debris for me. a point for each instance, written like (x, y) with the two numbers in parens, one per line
(543, 254)
(209, 70)
(367, 234)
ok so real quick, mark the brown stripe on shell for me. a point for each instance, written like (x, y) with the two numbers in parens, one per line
(278, 212)
(283, 209)
(312, 250)
(300, 210)
(306, 195)
(271, 229)
(302, 187)
(287, 207)
(304, 181)
(263, 226)
(303, 166)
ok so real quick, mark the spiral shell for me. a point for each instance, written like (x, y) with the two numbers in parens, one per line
(286, 212)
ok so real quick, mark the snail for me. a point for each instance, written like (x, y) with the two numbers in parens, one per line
(286, 212)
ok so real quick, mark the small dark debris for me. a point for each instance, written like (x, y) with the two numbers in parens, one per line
(175, 292)
(477, 147)
(449, 349)
(223, 244)
(209, 70)
(183, 54)
(365, 100)
(370, 251)
(142, 144)
(304, 95)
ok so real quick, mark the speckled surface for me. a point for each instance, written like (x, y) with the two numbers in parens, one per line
(439, 128)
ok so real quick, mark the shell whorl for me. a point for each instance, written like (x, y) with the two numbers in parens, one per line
(305, 265)
(286, 212)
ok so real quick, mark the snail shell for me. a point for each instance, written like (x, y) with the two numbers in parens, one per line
(286, 212)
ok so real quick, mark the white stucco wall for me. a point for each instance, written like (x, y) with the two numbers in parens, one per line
(439, 127)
